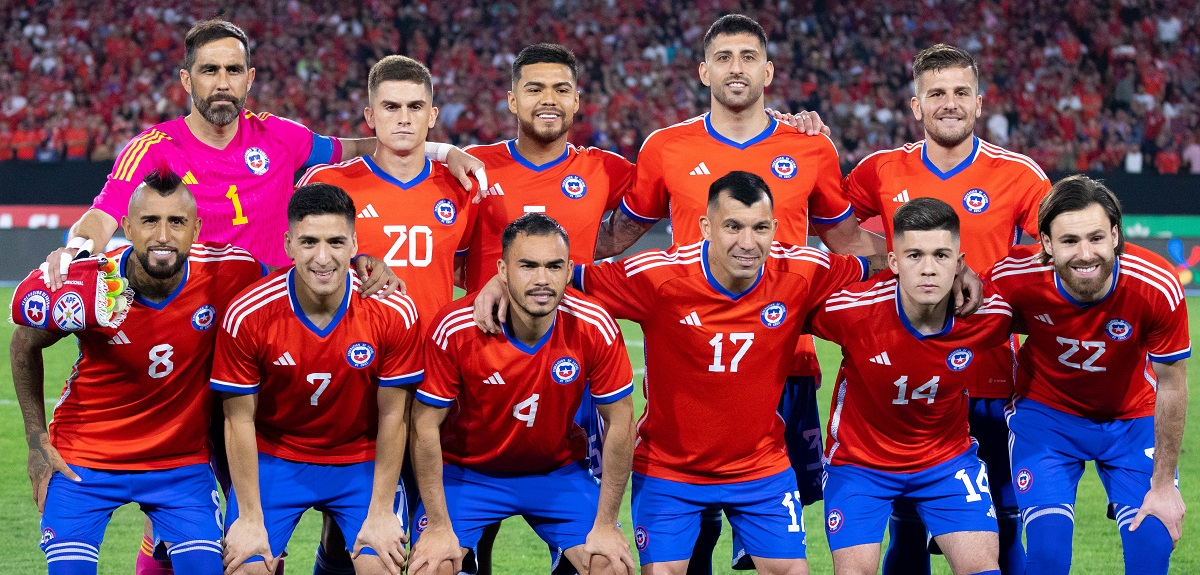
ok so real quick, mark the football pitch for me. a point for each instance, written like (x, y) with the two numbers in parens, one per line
(1097, 547)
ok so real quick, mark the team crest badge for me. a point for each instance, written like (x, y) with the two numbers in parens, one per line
(774, 314)
(203, 318)
(445, 212)
(574, 187)
(959, 359)
(422, 523)
(35, 307)
(641, 538)
(257, 161)
(784, 167)
(976, 201)
(68, 312)
(1118, 329)
(360, 354)
(1024, 481)
(834, 522)
(565, 370)
(47, 535)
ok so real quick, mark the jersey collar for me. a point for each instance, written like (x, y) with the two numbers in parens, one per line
(125, 255)
(530, 349)
(378, 171)
(949, 325)
(1071, 299)
(299, 311)
(966, 163)
(716, 285)
(708, 127)
(512, 149)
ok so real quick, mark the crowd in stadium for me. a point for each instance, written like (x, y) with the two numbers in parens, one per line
(1083, 86)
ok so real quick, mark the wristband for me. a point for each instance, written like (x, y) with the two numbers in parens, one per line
(438, 151)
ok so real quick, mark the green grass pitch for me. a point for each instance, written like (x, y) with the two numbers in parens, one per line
(1097, 545)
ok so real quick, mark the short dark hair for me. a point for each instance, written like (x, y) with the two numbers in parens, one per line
(398, 69)
(320, 199)
(545, 53)
(744, 187)
(925, 215)
(532, 224)
(207, 31)
(731, 24)
(163, 180)
(943, 56)
(1075, 193)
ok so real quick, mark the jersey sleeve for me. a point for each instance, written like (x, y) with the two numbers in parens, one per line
(403, 344)
(609, 371)
(138, 158)
(625, 296)
(443, 380)
(824, 323)
(307, 147)
(1169, 340)
(235, 360)
(647, 201)
(828, 205)
(1027, 217)
(825, 279)
(472, 213)
(621, 176)
(995, 317)
(861, 187)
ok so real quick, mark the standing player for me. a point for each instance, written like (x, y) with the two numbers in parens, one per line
(311, 377)
(898, 428)
(1102, 377)
(413, 213)
(132, 423)
(494, 429)
(995, 193)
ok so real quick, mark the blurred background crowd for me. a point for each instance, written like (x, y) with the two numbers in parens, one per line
(1076, 84)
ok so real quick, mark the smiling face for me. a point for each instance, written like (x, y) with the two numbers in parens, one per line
(321, 247)
(739, 238)
(401, 114)
(1083, 244)
(947, 104)
(537, 269)
(926, 263)
(545, 101)
(162, 230)
(219, 80)
(737, 71)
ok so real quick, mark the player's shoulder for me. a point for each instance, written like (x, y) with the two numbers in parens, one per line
(152, 137)
(455, 320)
(217, 258)
(259, 302)
(878, 292)
(896, 156)
(269, 121)
(335, 173)
(790, 258)
(663, 265)
(488, 153)
(687, 128)
(396, 306)
(588, 314)
(801, 142)
(1023, 265)
(1150, 274)
(598, 155)
(1012, 163)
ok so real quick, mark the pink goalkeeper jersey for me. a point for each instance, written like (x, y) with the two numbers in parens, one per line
(241, 191)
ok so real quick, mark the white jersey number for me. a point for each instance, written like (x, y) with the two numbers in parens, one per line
(321, 380)
(1074, 345)
(530, 405)
(718, 345)
(927, 391)
(412, 236)
(160, 360)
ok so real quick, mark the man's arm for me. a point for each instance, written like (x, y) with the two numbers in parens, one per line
(247, 536)
(96, 225)
(437, 544)
(381, 531)
(25, 354)
(847, 237)
(355, 147)
(605, 538)
(1170, 410)
(461, 164)
(617, 233)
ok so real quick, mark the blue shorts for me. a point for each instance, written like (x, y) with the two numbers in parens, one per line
(182, 503)
(559, 505)
(588, 418)
(802, 433)
(948, 497)
(1050, 448)
(289, 488)
(766, 516)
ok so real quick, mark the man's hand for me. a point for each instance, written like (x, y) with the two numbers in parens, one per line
(1166, 504)
(462, 166)
(54, 269)
(609, 542)
(383, 534)
(245, 540)
(436, 547)
(491, 306)
(44, 460)
(807, 122)
(968, 292)
(377, 278)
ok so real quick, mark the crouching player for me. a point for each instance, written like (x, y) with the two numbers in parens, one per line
(132, 423)
(316, 398)
(494, 433)
(898, 427)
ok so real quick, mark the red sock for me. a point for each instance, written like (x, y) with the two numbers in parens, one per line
(146, 564)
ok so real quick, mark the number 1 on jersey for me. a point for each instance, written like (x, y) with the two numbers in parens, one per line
(717, 342)
(238, 217)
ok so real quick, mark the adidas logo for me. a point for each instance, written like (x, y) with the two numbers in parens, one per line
(1044, 318)
(495, 190)
(881, 359)
(119, 339)
(701, 170)
(495, 379)
(902, 197)
(368, 212)
(285, 359)
(691, 319)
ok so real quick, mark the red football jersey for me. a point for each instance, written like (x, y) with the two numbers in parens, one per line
(138, 397)
(576, 190)
(996, 195)
(715, 361)
(316, 387)
(512, 406)
(900, 404)
(415, 227)
(1093, 360)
